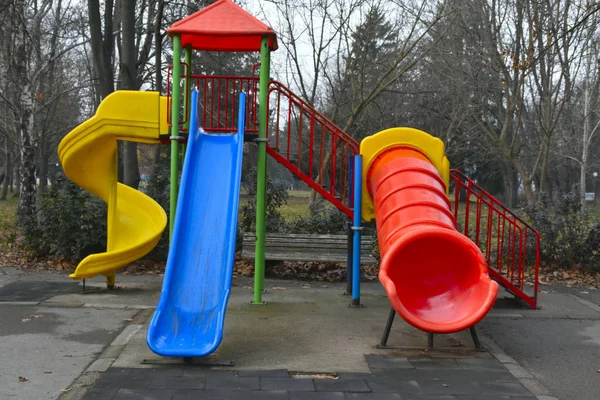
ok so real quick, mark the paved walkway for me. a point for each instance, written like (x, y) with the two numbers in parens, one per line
(466, 378)
(306, 343)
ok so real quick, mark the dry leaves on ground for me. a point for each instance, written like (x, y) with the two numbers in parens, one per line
(571, 277)
(312, 271)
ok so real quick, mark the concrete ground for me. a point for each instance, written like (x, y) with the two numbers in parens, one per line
(558, 344)
(305, 331)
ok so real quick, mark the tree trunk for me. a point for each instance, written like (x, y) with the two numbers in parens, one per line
(43, 171)
(7, 170)
(102, 45)
(129, 80)
(582, 175)
(25, 116)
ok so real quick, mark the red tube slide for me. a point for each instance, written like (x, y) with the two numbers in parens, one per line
(436, 278)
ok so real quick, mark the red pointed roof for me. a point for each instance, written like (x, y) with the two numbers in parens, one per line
(223, 26)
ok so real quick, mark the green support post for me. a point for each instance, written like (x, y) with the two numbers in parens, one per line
(175, 109)
(187, 93)
(261, 186)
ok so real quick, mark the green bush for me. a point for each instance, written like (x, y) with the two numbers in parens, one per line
(158, 189)
(323, 219)
(70, 223)
(277, 195)
(569, 236)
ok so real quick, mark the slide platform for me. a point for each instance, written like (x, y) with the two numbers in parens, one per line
(88, 155)
(435, 277)
(189, 318)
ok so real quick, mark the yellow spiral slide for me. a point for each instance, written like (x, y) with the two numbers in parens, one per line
(88, 155)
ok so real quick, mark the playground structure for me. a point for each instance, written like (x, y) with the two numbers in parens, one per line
(435, 267)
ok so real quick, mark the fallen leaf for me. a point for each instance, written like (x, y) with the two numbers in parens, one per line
(128, 319)
(445, 385)
(35, 316)
(23, 379)
(544, 292)
(26, 320)
(65, 390)
(277, 288)
(585, 292)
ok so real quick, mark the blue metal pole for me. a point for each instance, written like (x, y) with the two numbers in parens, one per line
(357, 228)
(349, 229)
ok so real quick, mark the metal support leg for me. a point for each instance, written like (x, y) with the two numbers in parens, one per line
(429, 340)
(475, 338)
(388, 328)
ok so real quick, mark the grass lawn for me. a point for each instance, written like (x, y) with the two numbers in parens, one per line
(296, 207)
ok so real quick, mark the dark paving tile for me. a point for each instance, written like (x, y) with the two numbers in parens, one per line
(448, 375)
(97, 393)
(455, 388)
(354, 375)
(286, 384)
(232, 383)
(522, 397)
(342, 385)
(316, 396)
(434, 363)
(155, 372)
(205, 372)
(480, 363)
(117, 371)
(502, 388)
(268, 373)
(383, 362)
(177, 382)
(124, 381)
(36, 290)
(399, 373)
(373, 396)
(430, 397)
(260, 395)
(392, 385)
(477, 397)
(143, 394)
(202, 395)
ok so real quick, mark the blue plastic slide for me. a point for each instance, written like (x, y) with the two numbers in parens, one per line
(188, 321)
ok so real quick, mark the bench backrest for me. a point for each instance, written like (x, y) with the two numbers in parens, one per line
(307, 247)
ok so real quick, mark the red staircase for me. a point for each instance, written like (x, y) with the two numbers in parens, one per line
(510, 245)
(317, 151)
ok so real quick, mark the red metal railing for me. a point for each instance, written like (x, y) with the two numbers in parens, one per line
(218, 98)
(510, 245)
(310, 145)
(299, 137)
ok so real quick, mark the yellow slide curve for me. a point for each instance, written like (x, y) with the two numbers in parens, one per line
(88, 155)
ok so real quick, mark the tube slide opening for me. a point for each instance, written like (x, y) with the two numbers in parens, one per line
(438, 279)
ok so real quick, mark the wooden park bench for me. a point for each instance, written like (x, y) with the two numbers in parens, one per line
(307, 247)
